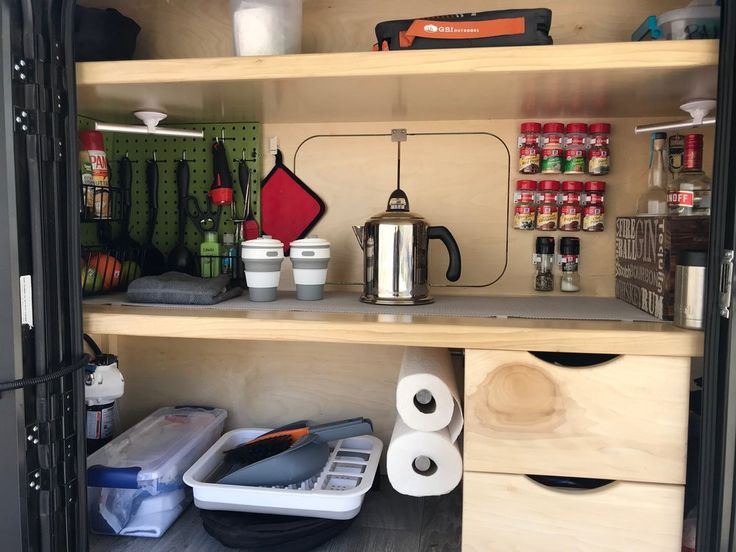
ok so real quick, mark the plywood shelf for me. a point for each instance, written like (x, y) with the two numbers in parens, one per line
(592, 80)
(649, 338)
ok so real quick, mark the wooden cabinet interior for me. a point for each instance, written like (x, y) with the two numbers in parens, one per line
(183, 29)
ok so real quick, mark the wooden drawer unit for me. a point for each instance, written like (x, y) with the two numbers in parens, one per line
(622, 419)
(512, 513)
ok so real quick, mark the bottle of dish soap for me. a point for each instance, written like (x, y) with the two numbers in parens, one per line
(210, 252)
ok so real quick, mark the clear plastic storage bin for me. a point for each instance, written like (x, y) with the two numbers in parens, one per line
(134, 483)
(267, 27)
(690, 23)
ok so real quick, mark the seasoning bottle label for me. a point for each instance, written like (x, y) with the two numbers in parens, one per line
(569, 263)
(529, 160)
(547, 217)
(599, 161)
(570, 218)
(593, 218)
(552, 157)
(524, 217)
(676, 151)
(574, 161)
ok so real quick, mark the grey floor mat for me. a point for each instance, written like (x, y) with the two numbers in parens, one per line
(551, 308)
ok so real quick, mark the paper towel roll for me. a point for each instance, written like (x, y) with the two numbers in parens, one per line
(426, 393)
(423, 463)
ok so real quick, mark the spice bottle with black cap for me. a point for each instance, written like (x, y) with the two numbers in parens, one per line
(569, 260)
(543, 257)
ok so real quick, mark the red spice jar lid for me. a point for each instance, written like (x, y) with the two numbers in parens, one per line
(694, 140)
(549, 185)
(531, 127)
(553, 127)
(577, 128)
(595, 186)
(526, 185)
(572, 186)
(600, 128)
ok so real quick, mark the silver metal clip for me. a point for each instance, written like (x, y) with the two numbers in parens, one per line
(398, 135)
(724, 286)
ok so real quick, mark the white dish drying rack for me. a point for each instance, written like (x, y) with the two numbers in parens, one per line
(337, 492)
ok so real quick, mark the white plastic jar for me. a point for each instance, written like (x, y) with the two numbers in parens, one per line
(267, 27)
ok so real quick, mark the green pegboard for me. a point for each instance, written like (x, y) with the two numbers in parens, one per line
(239, 137)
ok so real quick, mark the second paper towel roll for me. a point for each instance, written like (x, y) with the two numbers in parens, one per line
(423, 463)
(426, 393)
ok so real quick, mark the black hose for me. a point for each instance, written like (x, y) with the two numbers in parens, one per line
(30, 382)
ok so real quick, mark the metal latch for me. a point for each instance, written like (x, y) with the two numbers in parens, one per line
(724, 286)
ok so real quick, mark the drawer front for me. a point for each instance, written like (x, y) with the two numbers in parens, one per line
(623, 419)
(512, 513)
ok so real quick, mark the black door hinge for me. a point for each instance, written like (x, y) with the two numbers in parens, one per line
(24, 70)
(26, 120)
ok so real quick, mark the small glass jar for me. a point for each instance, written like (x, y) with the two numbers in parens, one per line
(599, 154)
(547, 209)
(525, 205)
(571, 212)
(594, 210)
(576, 140)
(529, 147)
(543, 258)
(569, 260)
(553, 148)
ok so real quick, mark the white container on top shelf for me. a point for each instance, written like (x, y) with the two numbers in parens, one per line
(690, 23)
(267, 27)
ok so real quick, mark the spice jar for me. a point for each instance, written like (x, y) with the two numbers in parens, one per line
(525, 205)
(571, 213)
(569, 260)
(576, 137)
(594, 210)
(543, 258)
(547, 209)
(553, 148)
(599, 155)
(529, 151)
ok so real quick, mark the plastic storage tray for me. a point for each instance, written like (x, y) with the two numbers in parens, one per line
(696, 22)
(134, 483)
(336, 493)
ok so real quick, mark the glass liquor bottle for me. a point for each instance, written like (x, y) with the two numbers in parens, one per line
(690, 193)
(653, 202)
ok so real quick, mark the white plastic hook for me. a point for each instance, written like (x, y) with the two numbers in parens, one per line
(150, 118)
(699, 109)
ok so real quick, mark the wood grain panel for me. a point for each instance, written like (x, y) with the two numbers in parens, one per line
(624, 419)
(511, 513)
(648, 338)
(260, 384)
(191, 28)
(598, 80)
(460, 183)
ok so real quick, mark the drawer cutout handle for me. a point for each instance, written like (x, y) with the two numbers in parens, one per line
(424, 465)
(570, 483)
(424, 401)
(573, 360)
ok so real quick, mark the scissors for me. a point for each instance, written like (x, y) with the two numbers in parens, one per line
(205, 220)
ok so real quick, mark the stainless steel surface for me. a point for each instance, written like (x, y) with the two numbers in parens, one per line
(689, 296)
(673, 125)
(395, 259)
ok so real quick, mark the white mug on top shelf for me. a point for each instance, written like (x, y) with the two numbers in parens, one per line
(262, 258)
(310, 257)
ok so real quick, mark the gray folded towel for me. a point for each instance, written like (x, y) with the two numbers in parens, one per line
(176, 288)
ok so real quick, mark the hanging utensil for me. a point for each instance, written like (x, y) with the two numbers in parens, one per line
(221, 192)
(250, 229)
(180, 258)
(204, 220)
(152, 260)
